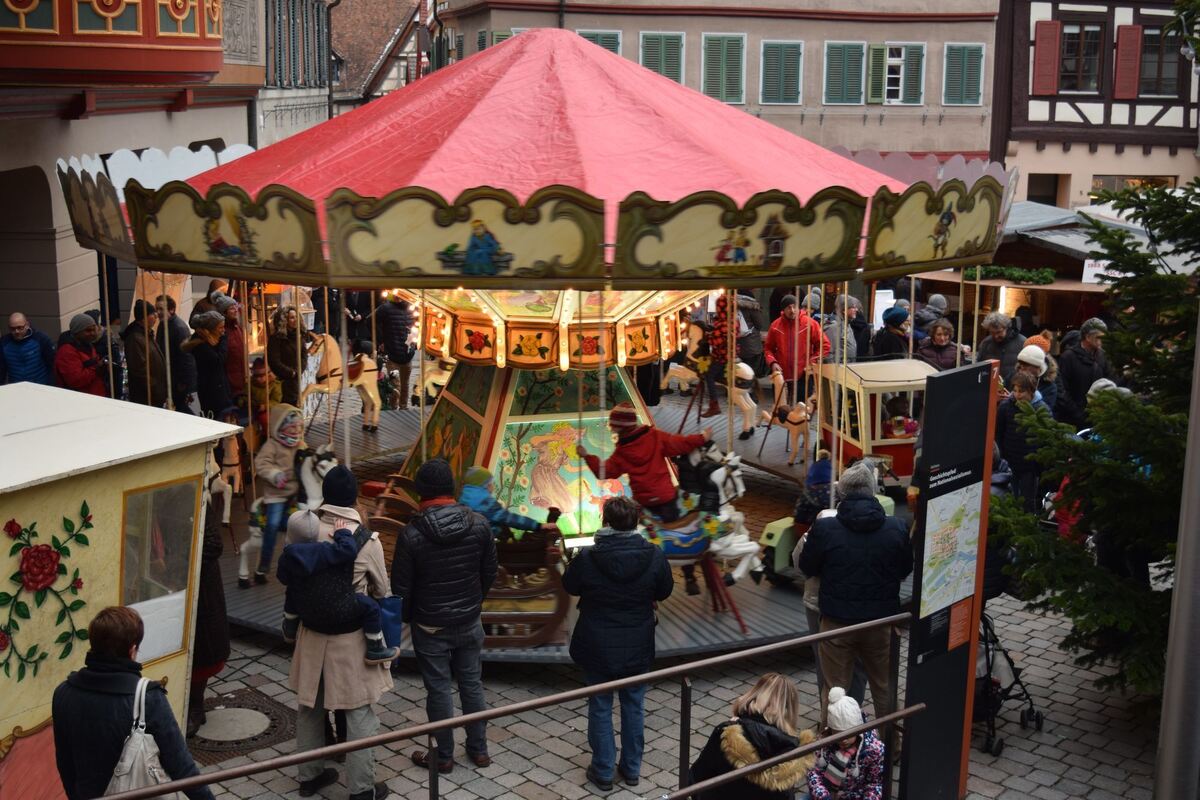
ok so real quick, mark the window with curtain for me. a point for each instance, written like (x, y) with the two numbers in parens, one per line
(782, 64)
(724, 64)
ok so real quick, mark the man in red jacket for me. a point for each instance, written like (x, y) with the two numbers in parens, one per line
(640, 454)
(78, 364)
(794, 340)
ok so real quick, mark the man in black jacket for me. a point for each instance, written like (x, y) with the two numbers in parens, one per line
(617, 581)
(93, 711)
(184, 378)
(1081, 365)
(444, 565)
(861, 555)
(395, 320)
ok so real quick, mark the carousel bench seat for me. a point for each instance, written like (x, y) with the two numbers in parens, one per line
(527, 605)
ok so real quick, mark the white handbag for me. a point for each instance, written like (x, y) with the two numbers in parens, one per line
(138, 766)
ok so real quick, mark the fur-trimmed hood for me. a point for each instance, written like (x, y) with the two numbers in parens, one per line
(749, 740)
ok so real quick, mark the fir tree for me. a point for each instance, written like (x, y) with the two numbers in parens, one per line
(1125, 479)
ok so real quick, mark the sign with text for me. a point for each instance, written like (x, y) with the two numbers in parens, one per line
(953, 475)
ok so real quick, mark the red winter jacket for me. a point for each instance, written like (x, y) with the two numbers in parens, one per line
(640, 455)
(80, 369)
(784, 337)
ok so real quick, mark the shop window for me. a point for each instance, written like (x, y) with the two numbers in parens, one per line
(158, 530)
(1116, 183)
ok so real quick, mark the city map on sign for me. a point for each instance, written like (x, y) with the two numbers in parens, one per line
(951, 548)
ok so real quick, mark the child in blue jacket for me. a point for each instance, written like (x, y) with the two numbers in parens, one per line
(477, 496)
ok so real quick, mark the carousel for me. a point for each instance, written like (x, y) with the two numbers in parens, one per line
(552, 214)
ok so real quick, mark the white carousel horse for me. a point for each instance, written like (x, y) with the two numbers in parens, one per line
(231, 467)
(437, 375)
(217, 485)
(312, 466)
(362, 374)
(716, 481)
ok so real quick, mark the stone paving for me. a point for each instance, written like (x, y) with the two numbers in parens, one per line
(1095, 745)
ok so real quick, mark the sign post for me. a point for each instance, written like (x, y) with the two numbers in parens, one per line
(954, 476)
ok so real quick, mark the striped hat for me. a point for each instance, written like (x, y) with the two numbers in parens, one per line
(623, 419)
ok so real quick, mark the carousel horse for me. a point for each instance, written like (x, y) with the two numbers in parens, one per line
(312, 466)
(231, 467)
(436, 377)
(217, 485)
(360, 373)
(743, 386)
(795, 420)
(711, 481)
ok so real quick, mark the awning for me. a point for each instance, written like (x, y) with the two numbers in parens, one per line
(1058, 285)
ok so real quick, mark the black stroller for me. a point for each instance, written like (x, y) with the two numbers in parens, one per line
(998, 681)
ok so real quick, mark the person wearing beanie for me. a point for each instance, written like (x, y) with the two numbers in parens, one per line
(765, 723)
(340, 659)
(207, 347)
(891, 341)
(1081, 365)
(861, 556)
(853, 767)
(216, 287)
(926, 315)
(78, 363)
(1041, 340)
(641, 454)
(144, 358)
(838, 329)
(278, 484)
(860, 329)
(443, 567)
(795, 347)
(477, 495)
(1037, 363)
(235, 346)
(171, 336)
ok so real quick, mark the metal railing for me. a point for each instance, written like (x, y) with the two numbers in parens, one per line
(680, 672)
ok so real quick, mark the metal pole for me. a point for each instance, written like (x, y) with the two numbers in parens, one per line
(244, 319)
(730, 346)
(147, 334)
(423, 322)
(1179, 732)
(330, 413)
(299, 350)
(889, 739)
(266, 342)
(603, 383)
(962, 298)
(166, 329)
(431, 759)
(345, 383)
(975, 315)
(685, 730)
(843, 415)
(106, 323)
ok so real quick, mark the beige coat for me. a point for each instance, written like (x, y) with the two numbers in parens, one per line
(349, 682)
(274, 458)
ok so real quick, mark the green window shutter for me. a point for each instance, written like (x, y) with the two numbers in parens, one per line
(481, 41)
(459, 43)
(835, 73)
(663, 53)
(723, 68)
(734, 62)
(973, 76)
(500, 36)
(913, 90)
(610, 41)
(876, 72)
(714, 65)
(771, 90)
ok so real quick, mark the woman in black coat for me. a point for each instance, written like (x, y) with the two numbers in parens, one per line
(212, 626)
(282, 355)
(765, 724)
(93, 711)
(618, 580)
(207, 348)
(395, 322)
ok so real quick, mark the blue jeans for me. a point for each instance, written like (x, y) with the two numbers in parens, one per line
(600, 729)
(274, 514)
(452, 654)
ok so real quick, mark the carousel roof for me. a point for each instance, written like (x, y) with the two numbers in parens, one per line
(548, 107)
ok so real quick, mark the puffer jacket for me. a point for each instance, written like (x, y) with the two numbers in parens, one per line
(444, 565)
(395, 324)
(617, 581)
(212, 387)
(925, 316)
(1050, 384)
(1005, 352)
(640, 455)
(939, 356)
(29, 359)
(274, 457)
(747, 740)
(81, 367)
(863, 783)
(861, 555)
(480, 500)
(889, 343)
(1080, 368)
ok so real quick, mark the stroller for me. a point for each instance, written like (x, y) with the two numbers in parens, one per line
(998, 681)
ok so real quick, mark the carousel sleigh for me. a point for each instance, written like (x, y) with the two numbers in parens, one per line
(527, 605)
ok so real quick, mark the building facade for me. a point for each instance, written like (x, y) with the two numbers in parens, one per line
(901, 75)
(1100, 98)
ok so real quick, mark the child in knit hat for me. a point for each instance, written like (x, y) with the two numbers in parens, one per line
(477, 495)
(319, 577)
(852, 768)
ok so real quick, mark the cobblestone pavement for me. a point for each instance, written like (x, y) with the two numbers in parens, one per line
(1096, 746)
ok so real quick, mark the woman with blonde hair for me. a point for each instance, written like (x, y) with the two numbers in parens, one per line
(765, 724)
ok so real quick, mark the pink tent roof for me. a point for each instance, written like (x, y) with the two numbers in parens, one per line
(547, 107)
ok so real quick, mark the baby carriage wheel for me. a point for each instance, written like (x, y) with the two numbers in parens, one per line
(998, 747)
(1039, 720)
(1026, 718)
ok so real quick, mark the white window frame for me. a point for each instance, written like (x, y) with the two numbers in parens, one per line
(862, 78)
(762, 67)
(703, 39)
(1106, 61)
(982, 72)
(620, 38)
(682, 50)
(903, 65)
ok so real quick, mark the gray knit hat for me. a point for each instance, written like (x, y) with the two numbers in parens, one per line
(223, 303)
(80, 323)
(937, 301)
(859, 480)
(1091, 326)
(207, 320)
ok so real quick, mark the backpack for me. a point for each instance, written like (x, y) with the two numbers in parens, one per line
(138, 766)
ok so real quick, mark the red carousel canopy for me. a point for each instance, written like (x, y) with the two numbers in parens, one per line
(548, 107)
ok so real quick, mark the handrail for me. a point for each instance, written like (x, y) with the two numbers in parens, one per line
(802, 750)
(430, 728)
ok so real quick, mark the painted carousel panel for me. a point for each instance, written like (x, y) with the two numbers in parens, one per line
(708, 239)
(552, 392)
(925, 229)
(485, 237)
(95, 212)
